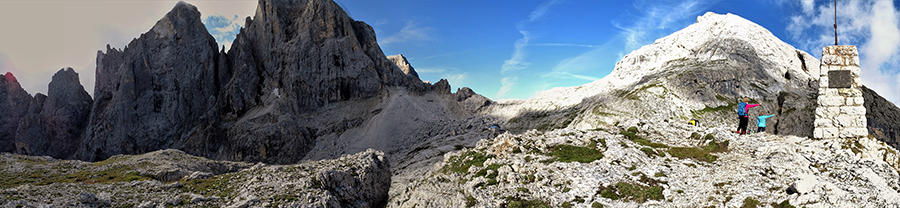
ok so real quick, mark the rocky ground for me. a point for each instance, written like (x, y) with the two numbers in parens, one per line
(660, 164)
(167, 178)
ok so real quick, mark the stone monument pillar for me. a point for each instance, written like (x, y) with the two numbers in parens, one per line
(840, 112)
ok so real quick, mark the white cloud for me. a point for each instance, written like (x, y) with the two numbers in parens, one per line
(874, 26)
(507, 84)
(655, 20)
(540, 11)
(456, 79)
(430, 71)
(517, 61)
(411, 32)
(808, 5)
(566, 44)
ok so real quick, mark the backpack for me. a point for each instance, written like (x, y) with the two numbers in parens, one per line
(694, 122)
(742, 109)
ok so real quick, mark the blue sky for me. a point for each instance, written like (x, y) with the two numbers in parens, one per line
(514, 49)
(502, 49)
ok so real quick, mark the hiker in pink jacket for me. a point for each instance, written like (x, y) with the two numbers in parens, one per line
(743, 112)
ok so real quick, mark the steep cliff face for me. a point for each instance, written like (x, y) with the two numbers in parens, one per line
(883, 118)
(49, 124)
(65, 114)
(13, 103)
(153, 92)
(292, 58)
(171, 88)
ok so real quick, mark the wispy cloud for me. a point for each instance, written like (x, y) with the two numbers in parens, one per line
(654, 20)
(457, 79)
(517, 61)
(411, 32)
(562, 74)
(223, 29)
(567, 44)
(657, 18)
(506, 84)
(430, 71)
(874, 26)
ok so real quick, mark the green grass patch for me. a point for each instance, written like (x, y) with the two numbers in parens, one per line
(484, 172)
(714, 146)
(221, 185)
(695, 136)
(649, 151)
(723, 99)
(632, 192)
(515, 202)
(631, 134)
(784, 204)
(707, 109)
(750, 203)
(461, 163)
(46, 177)
(693, 153)
(596, 205)
(569, 153)
(470, 201)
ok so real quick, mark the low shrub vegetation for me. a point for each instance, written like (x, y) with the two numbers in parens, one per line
(750, 203)
(569, 153)
(631, 134)
(632, 192)
(461, 164)
(515, 202)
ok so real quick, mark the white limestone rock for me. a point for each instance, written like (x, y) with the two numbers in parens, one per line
(768, 168)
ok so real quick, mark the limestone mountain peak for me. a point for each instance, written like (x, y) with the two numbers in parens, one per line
(404, 65)
(183, 18)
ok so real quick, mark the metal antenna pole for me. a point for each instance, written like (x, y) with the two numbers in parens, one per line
(835, 23)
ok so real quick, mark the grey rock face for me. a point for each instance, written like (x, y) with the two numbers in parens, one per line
(171, 88)
(471, 101)
(44, 124)
(155, 90)
(14, 102)
(882, 118)
(65, 112)
(442, 87)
